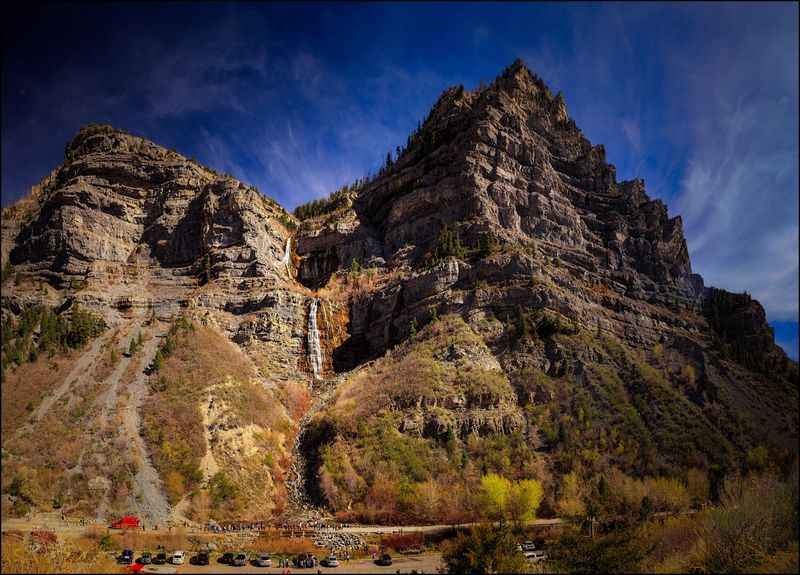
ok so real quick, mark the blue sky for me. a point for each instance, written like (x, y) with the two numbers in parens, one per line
(700, 100)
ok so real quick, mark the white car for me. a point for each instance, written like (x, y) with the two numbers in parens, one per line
(535, 556)
(262, 560)
(331, 561)
(178, 558)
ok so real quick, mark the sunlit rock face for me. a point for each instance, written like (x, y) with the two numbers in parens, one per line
(506, 162)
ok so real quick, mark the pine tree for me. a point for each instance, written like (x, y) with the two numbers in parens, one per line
(158, 361)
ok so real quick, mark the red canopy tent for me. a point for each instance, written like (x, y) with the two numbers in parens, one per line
(127, 522)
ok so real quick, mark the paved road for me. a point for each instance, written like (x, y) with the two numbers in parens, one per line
(50, 521)
(384, 529)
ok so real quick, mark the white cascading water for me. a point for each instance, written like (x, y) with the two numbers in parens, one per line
(314, 348)
(288, 253)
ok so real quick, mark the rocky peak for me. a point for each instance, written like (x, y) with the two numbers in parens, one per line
(507, 161)
(122, 204)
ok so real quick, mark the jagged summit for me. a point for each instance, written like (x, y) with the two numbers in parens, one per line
(508, 162)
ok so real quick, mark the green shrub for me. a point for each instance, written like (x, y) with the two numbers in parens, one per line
(485, 549)
(618, 552)
(448, 244)
(221, 488)
(757, 516)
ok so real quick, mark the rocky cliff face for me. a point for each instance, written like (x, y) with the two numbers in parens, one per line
(501, 212)
(560, 286)
(508, 163)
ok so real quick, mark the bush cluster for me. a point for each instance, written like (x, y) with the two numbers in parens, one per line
(40, 329)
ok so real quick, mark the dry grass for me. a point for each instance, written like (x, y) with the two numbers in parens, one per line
(142, 540)
(80, 556)
(344, 285)
(205, 363)
(296, 398)
(272, 543)
(415, 375)
(25, 387)
(112, 353)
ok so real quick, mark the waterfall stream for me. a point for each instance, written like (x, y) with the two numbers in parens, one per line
(314, 348)
(288, 253)
(300, 504)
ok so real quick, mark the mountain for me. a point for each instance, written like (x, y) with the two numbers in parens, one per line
(494, 300)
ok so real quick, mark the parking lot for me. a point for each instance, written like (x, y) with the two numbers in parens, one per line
(427, 563)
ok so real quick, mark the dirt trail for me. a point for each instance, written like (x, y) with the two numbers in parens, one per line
(148, 500)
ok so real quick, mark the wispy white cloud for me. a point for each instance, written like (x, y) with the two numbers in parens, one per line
(630, 127)
(717, 140)
(739, 194)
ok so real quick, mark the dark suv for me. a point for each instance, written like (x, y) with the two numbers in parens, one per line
(226, 559)
(126, 557)
(200, 559)
(304, 560)
(239, 560)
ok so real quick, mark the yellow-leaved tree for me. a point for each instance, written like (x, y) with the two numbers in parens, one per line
(503, 499)
(571, 503)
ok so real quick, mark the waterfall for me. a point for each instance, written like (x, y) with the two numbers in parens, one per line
(314, 348)
(288, 253)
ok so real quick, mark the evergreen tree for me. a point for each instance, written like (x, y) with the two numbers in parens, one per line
(487, 245)
(158, 361)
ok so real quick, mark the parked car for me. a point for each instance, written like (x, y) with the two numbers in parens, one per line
(262, 560)
(384, 560)
(178, 557)
(160, 559)
(126, 557)
(528, 546)
(239, 560)
(331, 561)
(146, 558)
(226, 559)
(535, 556)
(200, 559)
(304, 560)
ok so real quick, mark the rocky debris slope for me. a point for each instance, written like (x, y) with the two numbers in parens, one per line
(301, 506)
(147, 499)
